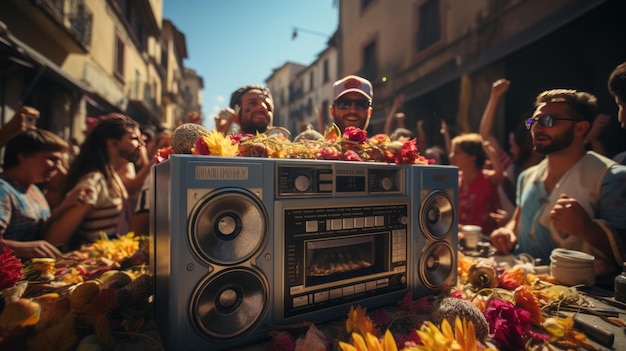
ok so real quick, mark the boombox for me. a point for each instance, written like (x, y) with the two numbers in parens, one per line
(241, 245)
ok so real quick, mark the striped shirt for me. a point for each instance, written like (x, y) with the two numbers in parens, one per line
(109, 214)
(22, 211)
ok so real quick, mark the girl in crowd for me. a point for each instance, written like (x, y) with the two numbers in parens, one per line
(478, 194)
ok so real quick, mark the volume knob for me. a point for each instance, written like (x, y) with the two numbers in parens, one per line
(302, 183)
(386, 183)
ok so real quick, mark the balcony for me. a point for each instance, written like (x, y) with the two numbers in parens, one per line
(142, 95)
(68, 20)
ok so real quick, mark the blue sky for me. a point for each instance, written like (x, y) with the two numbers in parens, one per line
(232, 43)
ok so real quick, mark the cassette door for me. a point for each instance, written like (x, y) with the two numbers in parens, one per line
(435, 235)
(213, 251)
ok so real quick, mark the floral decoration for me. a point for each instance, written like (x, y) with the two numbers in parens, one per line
(351, 145)
(10, 267)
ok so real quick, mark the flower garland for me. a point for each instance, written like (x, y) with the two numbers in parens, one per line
(351, 145)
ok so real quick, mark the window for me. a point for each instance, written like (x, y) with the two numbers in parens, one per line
(311, 81)
(119, 57)
(369, 62)
(326, 71)
(429, 25)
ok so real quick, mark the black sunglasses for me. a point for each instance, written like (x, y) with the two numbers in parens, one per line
(546, 121)
(344, 104)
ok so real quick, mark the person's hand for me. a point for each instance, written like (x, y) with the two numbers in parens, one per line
(399, 100)
(500, 216)
(34, 249)
(568, 216)
(443, 129)
(489, 149)
(503, 239)
(499, 87)
(598, 125)
(25, 118)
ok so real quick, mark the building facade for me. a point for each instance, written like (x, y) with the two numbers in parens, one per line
(279, 83)
(72, 59)
(443, 56)
(192, 94)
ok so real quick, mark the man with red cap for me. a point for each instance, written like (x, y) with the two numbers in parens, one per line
(352, 102)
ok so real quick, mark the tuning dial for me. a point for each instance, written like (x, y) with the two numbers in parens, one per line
(302, 183)
(403, 220)
(386, 183)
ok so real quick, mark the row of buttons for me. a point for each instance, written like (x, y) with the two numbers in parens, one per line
(322, 296)
(347, 223)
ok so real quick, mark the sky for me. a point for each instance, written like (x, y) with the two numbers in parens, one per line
(233, 43)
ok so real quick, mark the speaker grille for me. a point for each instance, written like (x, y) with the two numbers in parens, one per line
(228, 226)
(436, 265)
(436, 215)
(228, 304)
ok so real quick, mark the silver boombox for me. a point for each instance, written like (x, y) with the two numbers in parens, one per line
(241, 244)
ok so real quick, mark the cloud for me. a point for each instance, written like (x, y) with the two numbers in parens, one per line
(219, 99)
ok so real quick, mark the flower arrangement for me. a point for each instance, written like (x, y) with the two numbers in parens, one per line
(92, 297)
(351, 145)
(518, 308)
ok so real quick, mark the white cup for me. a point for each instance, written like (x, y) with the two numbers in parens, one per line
(471, 235)
(570, 267)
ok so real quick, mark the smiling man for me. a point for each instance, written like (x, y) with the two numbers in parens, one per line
(352, 103)
(573, 199)
(253, 107)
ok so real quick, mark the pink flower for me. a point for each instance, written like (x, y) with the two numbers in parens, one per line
(504, 324)
(351, 155)
(10, 267)
(328, 153)
(355, 134)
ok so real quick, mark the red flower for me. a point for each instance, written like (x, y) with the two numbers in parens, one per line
(10, 268)
(504, 324)
(355, 134)
(163, 154)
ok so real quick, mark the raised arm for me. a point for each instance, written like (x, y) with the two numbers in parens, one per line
(498, 89)
(392, 113)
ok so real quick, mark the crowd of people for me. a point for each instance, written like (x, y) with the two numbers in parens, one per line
(547, 191)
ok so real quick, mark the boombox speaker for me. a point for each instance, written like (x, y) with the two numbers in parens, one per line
(239, 244)
(435, 240)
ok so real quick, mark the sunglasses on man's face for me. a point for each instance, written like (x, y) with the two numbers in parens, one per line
(546, 121)
(344, 104)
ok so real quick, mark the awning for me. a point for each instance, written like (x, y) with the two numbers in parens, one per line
(21, 50)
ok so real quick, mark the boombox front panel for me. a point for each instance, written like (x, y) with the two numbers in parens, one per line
(210, 265)
(337, 253)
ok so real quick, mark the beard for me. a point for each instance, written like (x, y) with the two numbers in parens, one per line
(558, 142)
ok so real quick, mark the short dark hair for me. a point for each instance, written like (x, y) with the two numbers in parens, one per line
(617, 82)
(581, 104)
(30, 142)
(235, 97)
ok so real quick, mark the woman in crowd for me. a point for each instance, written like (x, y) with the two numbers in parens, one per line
(478, 194)
(112, 144)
